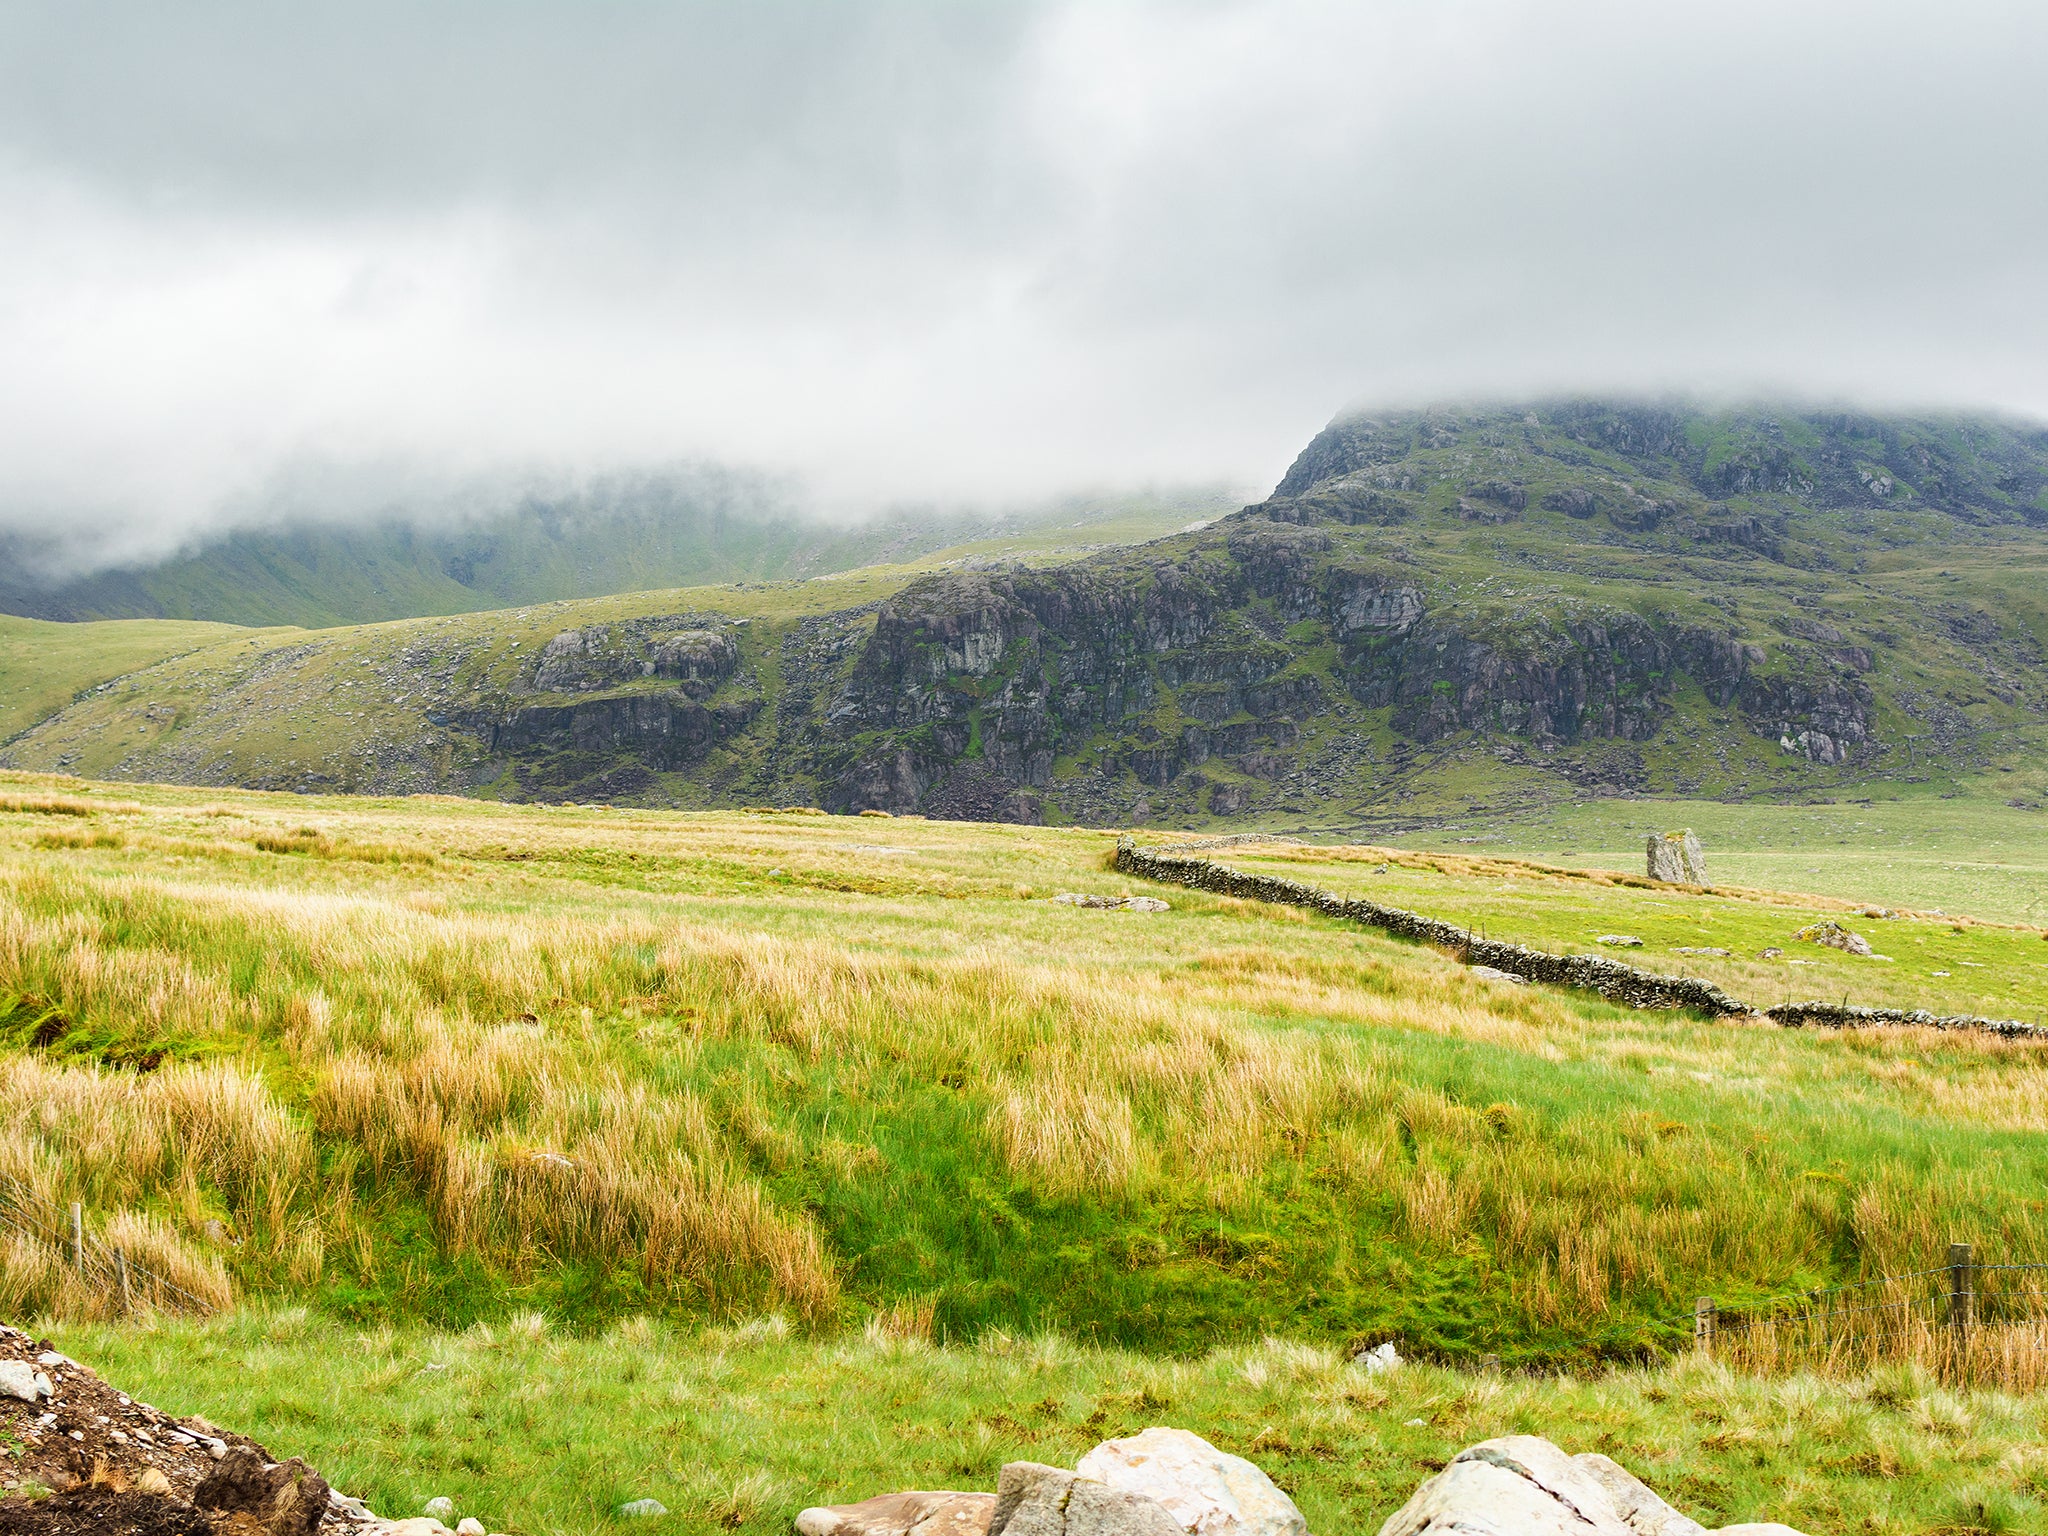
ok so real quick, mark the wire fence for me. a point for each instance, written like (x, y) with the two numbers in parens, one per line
(1968, 1322)
(55, 1242)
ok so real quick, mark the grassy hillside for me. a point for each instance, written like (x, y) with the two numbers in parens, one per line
(1442, 618)
(630, 535)
(43, 666)
(444, 1060)
(530, 1429)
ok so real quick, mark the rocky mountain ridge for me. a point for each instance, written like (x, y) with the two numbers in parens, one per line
(1434, 610)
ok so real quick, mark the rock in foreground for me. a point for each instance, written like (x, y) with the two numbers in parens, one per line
(1522, 1485)
(901, 1514)
(1210, 1492)
(1037, 1500)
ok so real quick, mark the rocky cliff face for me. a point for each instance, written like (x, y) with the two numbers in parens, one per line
(641, 693)
(1434, 608)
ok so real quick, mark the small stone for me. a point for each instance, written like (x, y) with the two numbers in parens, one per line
(153, 1481)
(1620, 940)
(1415, 1423)
(440, 1506)
(642, 1508)
(469, 1525)
(1488, 973)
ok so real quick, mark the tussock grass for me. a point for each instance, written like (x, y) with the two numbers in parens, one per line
(739, 1064)
(62, 805)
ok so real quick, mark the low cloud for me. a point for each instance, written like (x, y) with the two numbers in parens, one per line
(983, 254)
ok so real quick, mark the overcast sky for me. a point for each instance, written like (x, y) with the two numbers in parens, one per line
(967, 250)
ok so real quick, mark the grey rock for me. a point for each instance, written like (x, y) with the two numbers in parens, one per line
(1835, 936)
(1037, 1500)
(641, 1509)
(1490, 973)
(1676, 857)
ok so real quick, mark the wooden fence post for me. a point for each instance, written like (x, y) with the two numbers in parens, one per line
(1704, 1317)
(1962, 1299)
(78, 1237)
(121, 1263)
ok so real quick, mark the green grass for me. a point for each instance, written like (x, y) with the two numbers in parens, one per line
(1946, 965)
(880, 1039)
(43, 666)
(1969, 854)
(532, 1431)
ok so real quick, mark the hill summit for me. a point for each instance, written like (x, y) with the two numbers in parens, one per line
(1435, 611)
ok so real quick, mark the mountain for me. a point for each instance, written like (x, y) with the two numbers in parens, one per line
(617, 535)
(1435, 612)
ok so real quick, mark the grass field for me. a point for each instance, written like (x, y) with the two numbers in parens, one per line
(1949, 964)
(738, 1428)
(44, 666)
(1969, 853)
(444, 1060)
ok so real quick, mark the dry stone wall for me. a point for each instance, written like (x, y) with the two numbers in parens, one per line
(1628, 985)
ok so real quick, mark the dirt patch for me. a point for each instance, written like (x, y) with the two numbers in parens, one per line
(77, 1454)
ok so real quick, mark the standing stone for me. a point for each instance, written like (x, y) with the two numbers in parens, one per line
(1209, 1492)
(1676, 857)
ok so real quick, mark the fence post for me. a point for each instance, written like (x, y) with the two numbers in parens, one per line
(1962, 1299)
(78, 1237)
(121, 1263)
(1704, 1317)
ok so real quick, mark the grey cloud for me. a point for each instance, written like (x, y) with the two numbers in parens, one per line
(981, 252)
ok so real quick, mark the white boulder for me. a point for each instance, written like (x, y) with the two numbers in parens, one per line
(1210, 1492)
(1522, 1485)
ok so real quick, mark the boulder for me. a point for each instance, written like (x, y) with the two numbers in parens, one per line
(1677, 857)
(1037, 1500)
(900, 1514)
(1640, 1508)
(1207, 1491)
(1835, 936)
(1522, 1485)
